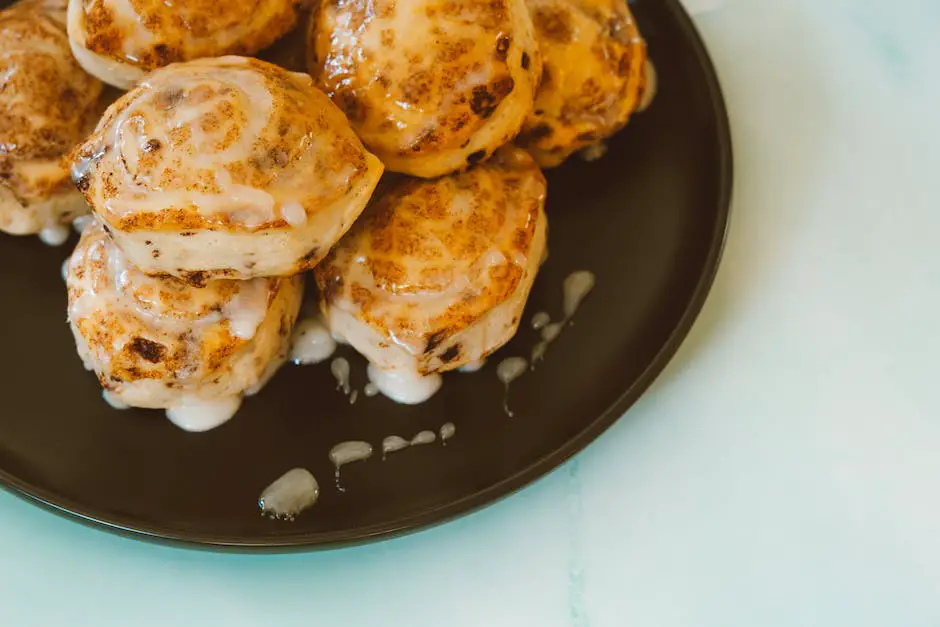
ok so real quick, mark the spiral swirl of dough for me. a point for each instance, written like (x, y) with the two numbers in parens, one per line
(155, 342)
(121, 40)
(593, 77)
(435, 274)
(431, 86)
(255, 168)
(47, 104)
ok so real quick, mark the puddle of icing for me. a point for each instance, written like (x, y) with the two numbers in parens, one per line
(395, 443)
(552, 331)
(114, 401)
(423, 437)
(198, 415)
(540, 320)
(508, 371)
(576, 287)
(347, 453)
(55, 235)
(403, 386)
(392, 444)
(291, 494)
(312, 342)
(340, 369)
(473, 366)
(447, 432)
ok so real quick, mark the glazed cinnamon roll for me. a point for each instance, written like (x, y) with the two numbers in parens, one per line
(56, 9)
(594, 76)
(121, 41)
(47, 104)
(431, 86)
(163, 343)
(228, 167)
(435, 275)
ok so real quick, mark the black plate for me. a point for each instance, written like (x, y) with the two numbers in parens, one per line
(649, 219)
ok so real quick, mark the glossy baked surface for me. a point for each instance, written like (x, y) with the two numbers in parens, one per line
(648, 220)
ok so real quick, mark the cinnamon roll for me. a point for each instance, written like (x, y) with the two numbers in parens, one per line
(431, 86)
(163, 343)
(594, 76)
(435, 275)
(121, 41)
(47, 104)
(228, 167)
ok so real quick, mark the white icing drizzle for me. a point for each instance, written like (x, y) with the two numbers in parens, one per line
(552, 331)
(392, 444)
(447, 432)
(293, 213)
(508, 371)
(247, 309)
(249, 205)
(472, 366)
(371, 390)
(404, 386)
(114, 401)
(593, 152)
(423, 437)
(81, 164)
(291, 494)
(354, 397)
(340, 369)
(197, 415)
(540, 320)
(110, 282)
(312, 342)
(576, 287)
(538, 353)
(347, 453)
(54, 235)
(65, 269)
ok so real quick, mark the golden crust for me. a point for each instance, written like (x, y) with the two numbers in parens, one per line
(134, 328)
(47, 103)
(592, 77)
(196, 135)
(154, 34)
(424, 80)
(430, 258)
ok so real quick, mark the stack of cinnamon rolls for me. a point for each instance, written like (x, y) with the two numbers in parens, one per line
(218, 179)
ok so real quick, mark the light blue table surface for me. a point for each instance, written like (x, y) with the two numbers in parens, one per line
(785, 470)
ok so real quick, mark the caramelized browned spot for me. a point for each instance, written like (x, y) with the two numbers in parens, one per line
(486, 98)
(149, 350)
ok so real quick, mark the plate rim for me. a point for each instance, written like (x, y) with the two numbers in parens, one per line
(536, 470)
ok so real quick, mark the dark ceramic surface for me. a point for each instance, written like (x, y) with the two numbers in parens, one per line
(649, 219)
